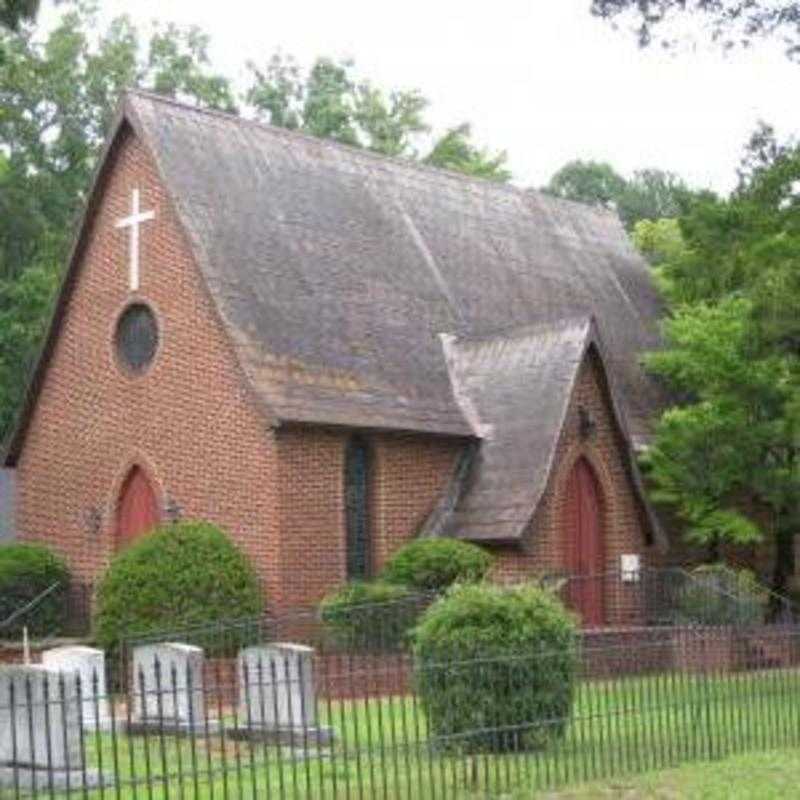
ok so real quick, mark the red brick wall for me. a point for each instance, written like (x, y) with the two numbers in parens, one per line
(311, 493)
(544, 547)
(190, 424)
(411, 472)
(408, 474)
(187, 421)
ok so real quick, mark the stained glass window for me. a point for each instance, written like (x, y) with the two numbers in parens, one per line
(359, 546)
(137, 337)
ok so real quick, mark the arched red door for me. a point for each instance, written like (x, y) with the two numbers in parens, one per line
(137, 511)
(585, 551)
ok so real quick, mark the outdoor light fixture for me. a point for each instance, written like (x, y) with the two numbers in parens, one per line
(172, 510)
(630, 567)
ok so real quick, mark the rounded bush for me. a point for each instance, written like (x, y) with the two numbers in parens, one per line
(715, 594)
(435, 564)
(495, 667)
(182, 575)
(27, 570)
(371, 616)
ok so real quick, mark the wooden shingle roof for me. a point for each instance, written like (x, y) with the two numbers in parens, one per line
(336, 273)
(515, 387)
(337, 270)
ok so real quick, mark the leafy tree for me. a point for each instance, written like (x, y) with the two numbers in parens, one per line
(593, 182)
(57, 99)
(732, 22)
(12, 12)
(390, 123)
(24, 305)
(651, 193)
(726, 458)
(329, 102)
(658, 240)
(455, 151)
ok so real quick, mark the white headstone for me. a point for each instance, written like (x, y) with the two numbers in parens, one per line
(276, 686)
(90, 665)
(39, 718)
(168, 684)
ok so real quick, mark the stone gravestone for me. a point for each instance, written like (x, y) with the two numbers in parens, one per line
(277, 698)
(90, 666)
(41, 733)
(168, 688)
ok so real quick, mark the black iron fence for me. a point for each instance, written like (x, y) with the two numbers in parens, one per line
(304, 706)
(673, 596)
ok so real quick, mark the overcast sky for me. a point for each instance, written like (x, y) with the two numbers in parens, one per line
(541, 79)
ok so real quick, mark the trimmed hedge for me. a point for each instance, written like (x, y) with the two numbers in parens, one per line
(371, 616)
(716, 594)
(495, 667)
(27, 570)
(435, 564)
(181, 575)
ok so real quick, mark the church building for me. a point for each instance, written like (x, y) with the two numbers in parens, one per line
(328, 353)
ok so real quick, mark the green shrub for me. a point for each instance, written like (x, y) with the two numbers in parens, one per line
(434, 564)
(27, 570)
(371, 616)
(715, 594)
(182, 575)
(495, 667)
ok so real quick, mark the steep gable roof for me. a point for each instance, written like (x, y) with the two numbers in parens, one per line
(515, 387)
(335, 270)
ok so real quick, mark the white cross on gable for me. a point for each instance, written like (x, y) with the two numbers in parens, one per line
(133, 221)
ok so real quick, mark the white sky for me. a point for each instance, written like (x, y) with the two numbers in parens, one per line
(541, 79)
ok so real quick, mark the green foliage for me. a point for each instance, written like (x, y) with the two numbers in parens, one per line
(589, 182)
(27, 570)
(331, 103)
(726, 458)
(455, 151)
(57, 98)
(435, 564)
(492, 657)
(658, 240)
(13, 12)
(651, 194)
(719, 595)
(732, 23)
(371, 616)
(179, 576)
(24, 306)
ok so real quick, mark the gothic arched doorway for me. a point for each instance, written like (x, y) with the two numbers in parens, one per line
(585, 550)
(137, 510)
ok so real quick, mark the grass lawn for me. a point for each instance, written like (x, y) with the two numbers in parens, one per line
(383, 749)
(755, 776)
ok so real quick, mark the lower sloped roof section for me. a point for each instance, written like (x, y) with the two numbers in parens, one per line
(515, 389)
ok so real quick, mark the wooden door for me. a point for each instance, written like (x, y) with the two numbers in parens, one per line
(585, 551)
(137, 511)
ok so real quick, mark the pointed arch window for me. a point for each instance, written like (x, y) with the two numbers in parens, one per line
(137, 508)
(357, 517)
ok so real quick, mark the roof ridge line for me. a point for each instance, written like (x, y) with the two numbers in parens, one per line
(587, 320)
(523, 192)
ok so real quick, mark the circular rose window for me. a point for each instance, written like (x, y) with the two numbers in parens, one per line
(137, 337)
